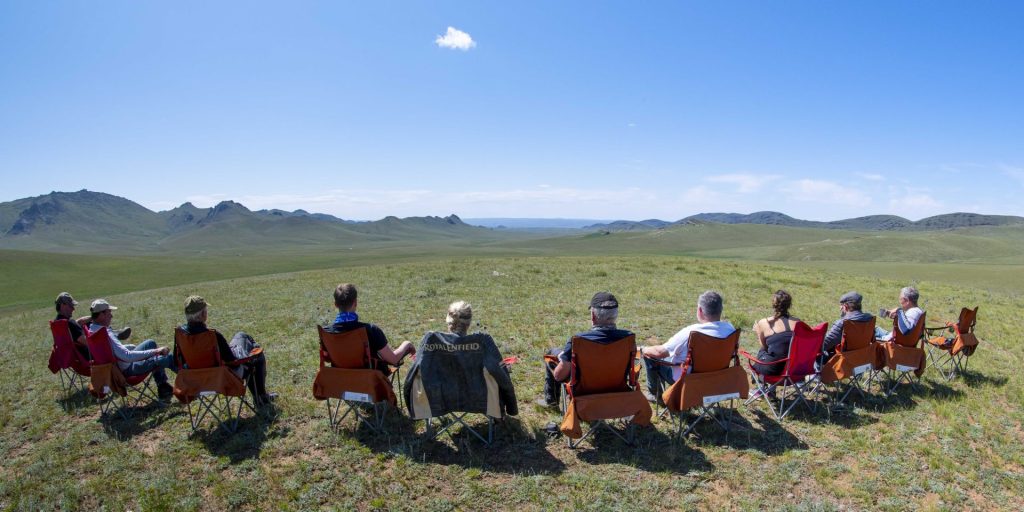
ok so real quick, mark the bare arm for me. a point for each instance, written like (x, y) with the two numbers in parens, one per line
(561, 372)
(393, 357)
(656, 351)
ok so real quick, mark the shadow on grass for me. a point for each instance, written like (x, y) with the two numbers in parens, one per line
(140, 419)
(80, 398)
(246, 442)
(654, 451)
(515, 449)
(975, 379)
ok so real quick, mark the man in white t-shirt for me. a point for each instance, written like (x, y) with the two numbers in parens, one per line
(906, 315)
(675, 350)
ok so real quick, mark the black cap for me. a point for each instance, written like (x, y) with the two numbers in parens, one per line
(604, 300)
(851, 298)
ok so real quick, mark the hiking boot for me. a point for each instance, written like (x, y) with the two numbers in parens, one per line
(266, 399)
(165, 391)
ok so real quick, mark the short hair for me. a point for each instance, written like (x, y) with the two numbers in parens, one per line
(94, 316)
(781, 301)
(345, 295)
(910, 293)
(711, 303)
(605, 316)
(195, 317)
(460, 315)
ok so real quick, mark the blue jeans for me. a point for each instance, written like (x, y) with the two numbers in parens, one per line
(155, 364)
(657, 374)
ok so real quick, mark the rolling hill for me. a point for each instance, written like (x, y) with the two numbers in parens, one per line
(870, 222)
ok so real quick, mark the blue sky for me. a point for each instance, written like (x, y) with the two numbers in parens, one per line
(633, 110)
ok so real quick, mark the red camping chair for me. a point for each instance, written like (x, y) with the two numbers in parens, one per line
(711, 376)
(602, 386)
(904, 357)
(66, 361)
(204, 378)
(855, 361)
(798, 379)
(108, 381)
(349, 375)
(949, 356)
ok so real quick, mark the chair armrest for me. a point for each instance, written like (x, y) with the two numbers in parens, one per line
(256, 352)
(753, 360)
(661, 362)
(548, 358)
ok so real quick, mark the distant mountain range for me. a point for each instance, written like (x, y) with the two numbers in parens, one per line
(73, 221)
(868, 223)
(86, 221)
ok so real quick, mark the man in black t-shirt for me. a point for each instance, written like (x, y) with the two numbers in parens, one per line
(65, 305)
(604, 311)
(346, 300)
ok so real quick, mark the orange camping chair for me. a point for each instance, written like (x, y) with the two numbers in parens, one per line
(111, 387)
(949, 356)
(207, 381)
(602, 386)
(903, 356)
(798, 380)
(855, 362)
(711, 376)
(66, 361)
(347, 375)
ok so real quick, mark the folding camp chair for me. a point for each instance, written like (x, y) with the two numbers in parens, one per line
(855, 362)
(660, 410)
(111, 387)
(799, 378)
(208, 382)
(711, 376)
(66, 361)
(348, 376)
(904, 356)
(950, 356)
(602, 389)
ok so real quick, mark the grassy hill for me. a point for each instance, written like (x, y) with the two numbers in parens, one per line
(945, 446)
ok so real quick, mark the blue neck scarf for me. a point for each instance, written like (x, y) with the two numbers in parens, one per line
(346, 316)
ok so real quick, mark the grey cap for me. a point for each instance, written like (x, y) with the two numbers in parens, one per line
(851, 298)
(65, 298)
(100, 305)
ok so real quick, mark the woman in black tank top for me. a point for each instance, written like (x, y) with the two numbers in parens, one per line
(775, 333)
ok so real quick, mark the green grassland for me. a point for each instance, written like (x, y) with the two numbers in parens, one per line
(945, 446)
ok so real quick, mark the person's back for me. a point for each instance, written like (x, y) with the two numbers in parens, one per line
(346, 300)
(776, 333)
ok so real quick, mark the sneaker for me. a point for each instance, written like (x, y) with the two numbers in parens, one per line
(165, 391)
(267, 399)
(552, 430)
(545, 404)
(653, 399)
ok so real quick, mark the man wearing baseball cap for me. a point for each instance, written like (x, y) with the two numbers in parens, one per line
(133, 359)
(604, 311)
(65, 305)
(849, 309)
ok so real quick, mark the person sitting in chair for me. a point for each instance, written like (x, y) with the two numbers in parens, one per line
(849, 309)
(775, 333)
(346, 299)
(604, 311)
(677, 348)
(906, 315)
(240, 347)
(133, 359)
(65, 305)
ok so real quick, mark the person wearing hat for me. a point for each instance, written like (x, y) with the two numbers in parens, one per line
(604, 311)
(346, 299)
(65, 305)
(849, 309)
(677, 348)
(196, 313)
(133, 359)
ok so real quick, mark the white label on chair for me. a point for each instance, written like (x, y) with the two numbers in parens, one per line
(714, 399)
(902, 368)
(861, 369)
(356, 397)
(207, 393)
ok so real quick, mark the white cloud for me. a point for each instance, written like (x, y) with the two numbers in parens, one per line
(819, 191)
(747, 183)
(871, 176)
(456, 40)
